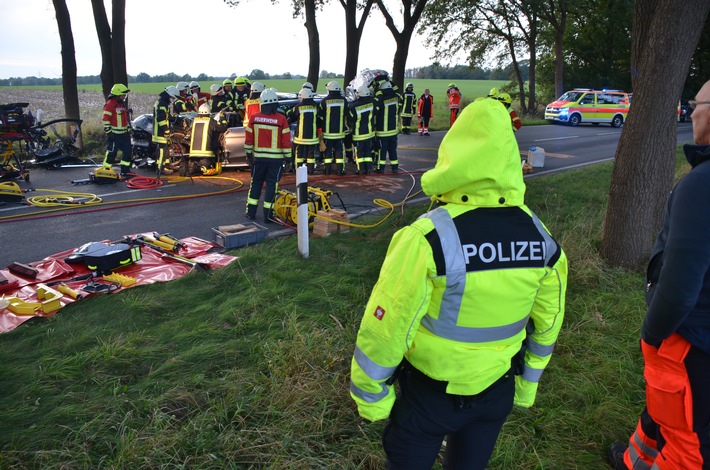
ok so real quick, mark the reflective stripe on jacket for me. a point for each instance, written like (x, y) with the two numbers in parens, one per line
(161, 119)
(116, 116)
(268, 136)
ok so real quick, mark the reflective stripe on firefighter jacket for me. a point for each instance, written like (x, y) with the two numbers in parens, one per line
(204, 138)
(331, 112)
(220, 102)
(116, 116)
(268, 136)
(361, 113)
(460, 286)
(387, 106)
(305, 114)
(515, 120)
(409, 106)
(161, 116)
(252, 106)
(454, 96)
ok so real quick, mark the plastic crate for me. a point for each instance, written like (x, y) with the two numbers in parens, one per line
(235, 236)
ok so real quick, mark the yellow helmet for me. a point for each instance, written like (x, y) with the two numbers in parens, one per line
(505, 98)
(227, 82)
(493, 93)
(119, 89)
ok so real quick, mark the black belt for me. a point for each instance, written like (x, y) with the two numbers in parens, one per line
(440, 385)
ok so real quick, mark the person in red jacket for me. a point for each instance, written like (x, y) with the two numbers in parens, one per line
(200, 97)
(268, 144)
(425, 112)
(454, 95)
(514, 118)
(117, 127)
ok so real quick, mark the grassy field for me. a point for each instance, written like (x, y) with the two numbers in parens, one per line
(248, 366)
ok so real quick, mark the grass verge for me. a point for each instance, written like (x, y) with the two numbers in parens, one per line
(248, 367)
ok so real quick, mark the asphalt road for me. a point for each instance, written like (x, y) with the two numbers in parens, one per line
(221, 201)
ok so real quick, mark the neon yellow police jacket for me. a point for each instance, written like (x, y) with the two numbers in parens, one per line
(465, 285)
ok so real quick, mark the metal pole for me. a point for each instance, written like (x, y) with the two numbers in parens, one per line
(302, 210)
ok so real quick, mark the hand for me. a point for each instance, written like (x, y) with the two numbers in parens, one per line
(107, 129)
(250, 159)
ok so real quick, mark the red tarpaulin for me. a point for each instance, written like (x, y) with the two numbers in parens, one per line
(154, 266)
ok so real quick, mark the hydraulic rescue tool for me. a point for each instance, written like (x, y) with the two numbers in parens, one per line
(103, 175)
(10, 192)
(286, 205)
(160, 247)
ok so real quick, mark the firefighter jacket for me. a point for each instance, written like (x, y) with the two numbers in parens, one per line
(361, 113)
(240, 96)
(115, 117)
(467, 284)
(201, 98)
(305, 115)
(425, 106)
(677, 281)
(161, 118)
(515, 120)
(454, 96)
(268, 136)
(387, 107)
(221, 102)
(252, 106)
(331, 111)
(409, 104)
(204, 138)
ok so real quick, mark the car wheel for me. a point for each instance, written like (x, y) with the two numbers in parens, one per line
(574, 120)
(617, 121)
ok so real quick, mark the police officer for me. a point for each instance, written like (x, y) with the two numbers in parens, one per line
(409, 108)
(268, 144)
(308, 129)
(387, 110)
(469, 296)
(331, 112)
(205, 142)
(117, 126)
(361, 121)
(161, 127)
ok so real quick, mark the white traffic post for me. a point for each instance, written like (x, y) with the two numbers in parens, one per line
(302, 209)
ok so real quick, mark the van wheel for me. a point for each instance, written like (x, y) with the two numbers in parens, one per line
(574, 120)
(617, 121)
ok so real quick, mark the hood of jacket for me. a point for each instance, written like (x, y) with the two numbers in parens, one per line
(479, 160)
(696, 154)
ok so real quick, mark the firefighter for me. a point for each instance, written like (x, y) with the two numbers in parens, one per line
(673, 432)
(308, 129)
(117, 126)
(387, 109)
(460, 292)
(253, 104)
(161, 127)
(220, 100)
(409, 107)
(331, 112)
(308, 85)
(199, 97)
(241, 93)
(425, 112)
(183, 103)
(514, 118)
(361, 114)
(205, 141)
(454, 95)
(268, 145)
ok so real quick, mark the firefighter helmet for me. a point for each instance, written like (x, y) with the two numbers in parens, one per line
(240, 81)
(305, 93)
(204, 109)
(385, 85)
(308, 85)
(172, 91)
(505, 98)
(493, 93)
(452, 85)
(182, 86)
(119, 89)
(333, 86)
(269, 97)
(409, 85)
(363, 91)
(214, 89)
(194, 84)
(227, 82)
(257, 87)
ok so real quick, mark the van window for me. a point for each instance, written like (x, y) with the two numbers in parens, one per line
(572, 96)
(588, 99)
(610, 98)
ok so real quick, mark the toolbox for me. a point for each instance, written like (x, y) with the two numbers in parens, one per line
(235, 236)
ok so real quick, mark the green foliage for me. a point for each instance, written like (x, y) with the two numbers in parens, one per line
(248, 366)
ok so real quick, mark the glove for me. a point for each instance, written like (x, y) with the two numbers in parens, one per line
(107, 129)
(250, 159)
(524, 392)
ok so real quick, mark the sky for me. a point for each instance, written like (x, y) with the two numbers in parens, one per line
(192, 37)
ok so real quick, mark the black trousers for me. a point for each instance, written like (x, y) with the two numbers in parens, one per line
(423, 414)
(265, 170)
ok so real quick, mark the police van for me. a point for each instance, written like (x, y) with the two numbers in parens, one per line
(587, 105)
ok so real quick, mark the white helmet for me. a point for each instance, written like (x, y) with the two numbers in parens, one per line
(385, 85)
(362, 91)
(182, 86)
(308, 85)
(410, 85)
(269, 97)
(215, 88)
(333, 86)
(274, 90)
(257, 87)
(194, 84)
(172, 91)
(305, 93)
(204, 109)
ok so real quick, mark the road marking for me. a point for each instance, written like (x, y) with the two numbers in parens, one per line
(557, 138)
(550, 154)
(609, 133)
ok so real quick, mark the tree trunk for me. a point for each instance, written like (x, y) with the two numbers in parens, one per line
(69, 88)
(313, 43)
(353, 35)
(118, 41)
(559, 54)
(103, 31)
(665, 34)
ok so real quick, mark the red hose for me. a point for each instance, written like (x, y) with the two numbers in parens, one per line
(143, 182)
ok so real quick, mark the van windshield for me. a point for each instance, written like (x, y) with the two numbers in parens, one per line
(573, 96)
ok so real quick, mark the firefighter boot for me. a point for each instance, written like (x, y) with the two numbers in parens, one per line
(269, 216)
